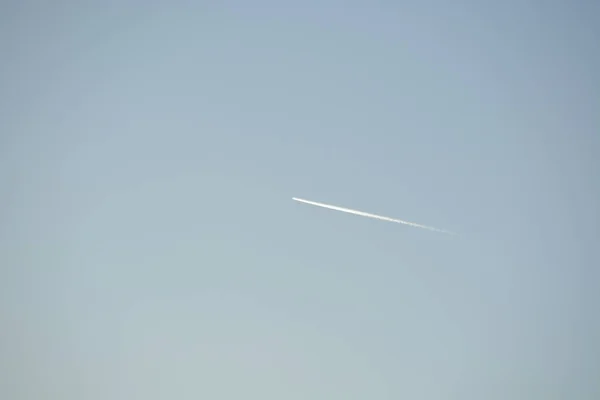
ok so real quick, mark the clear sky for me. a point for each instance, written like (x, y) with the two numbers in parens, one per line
(150, 249)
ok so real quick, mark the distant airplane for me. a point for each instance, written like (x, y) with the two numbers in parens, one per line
(364, 214)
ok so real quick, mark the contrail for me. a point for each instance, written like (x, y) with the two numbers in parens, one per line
(364, 214)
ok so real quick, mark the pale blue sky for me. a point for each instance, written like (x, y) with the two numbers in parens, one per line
(150, 249)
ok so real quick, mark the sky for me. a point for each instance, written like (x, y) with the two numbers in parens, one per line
(150, 247)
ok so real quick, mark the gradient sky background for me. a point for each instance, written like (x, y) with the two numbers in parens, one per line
(150, 249)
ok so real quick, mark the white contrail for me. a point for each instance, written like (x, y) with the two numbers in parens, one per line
(364, 214)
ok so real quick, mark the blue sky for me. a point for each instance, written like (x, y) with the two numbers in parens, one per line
(150, 247)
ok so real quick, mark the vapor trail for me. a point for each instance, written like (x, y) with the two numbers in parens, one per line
(364, 214)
